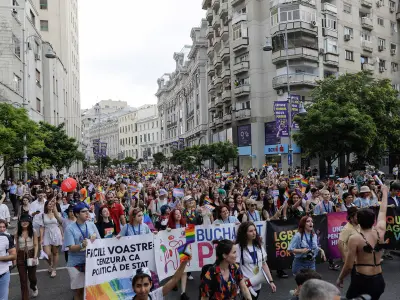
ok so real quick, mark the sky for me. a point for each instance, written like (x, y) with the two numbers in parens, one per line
(125, 48)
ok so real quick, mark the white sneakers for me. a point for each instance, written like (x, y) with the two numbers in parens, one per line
(35, 293)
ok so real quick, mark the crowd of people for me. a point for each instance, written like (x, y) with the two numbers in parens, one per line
(125, 202)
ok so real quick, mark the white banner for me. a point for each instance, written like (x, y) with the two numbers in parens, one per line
(166, 246)
(111, 263)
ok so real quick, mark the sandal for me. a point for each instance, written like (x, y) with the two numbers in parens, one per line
(50, 269)
(334, 267)
(53, 274)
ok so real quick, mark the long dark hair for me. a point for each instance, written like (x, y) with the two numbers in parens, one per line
(46, 208)
(241, 237)
(30, 229)
(302, 225)
(223, 247)
(100, 219)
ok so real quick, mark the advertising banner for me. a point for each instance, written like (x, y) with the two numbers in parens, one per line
(336, 222)
(270, 134)
(295, 103)
(111, 263)
(244, 135)
(281, 118)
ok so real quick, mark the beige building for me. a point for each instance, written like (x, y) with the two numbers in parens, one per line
(324, 39)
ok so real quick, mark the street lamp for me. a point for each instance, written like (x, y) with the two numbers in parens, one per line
(98, 113)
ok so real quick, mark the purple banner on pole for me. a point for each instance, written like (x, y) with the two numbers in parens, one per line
(281, 118)
(244, 135)
(336, 222)
(270, 134)
(295, 103)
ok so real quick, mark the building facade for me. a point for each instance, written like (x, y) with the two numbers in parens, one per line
(323, 39)
(128, 135)
(182, 96)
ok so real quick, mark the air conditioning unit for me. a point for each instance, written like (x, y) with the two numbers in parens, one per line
(392, 9)
(313, 23)
(379, 3)
(393, 51)
(280, 92)
(381, 69)
(381, 48)
(37, 56)
(347, 37)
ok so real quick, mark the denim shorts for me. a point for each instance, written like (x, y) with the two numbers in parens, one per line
(4, 285)
(299, 263)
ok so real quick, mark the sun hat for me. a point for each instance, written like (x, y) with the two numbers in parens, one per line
(365, 189)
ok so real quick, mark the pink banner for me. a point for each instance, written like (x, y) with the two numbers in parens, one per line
(336, 222)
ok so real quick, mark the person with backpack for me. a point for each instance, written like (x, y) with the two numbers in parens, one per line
(223, 279)
(252, 258)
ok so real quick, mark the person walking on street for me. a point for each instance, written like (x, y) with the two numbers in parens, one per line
(7, 255)
(13, 199)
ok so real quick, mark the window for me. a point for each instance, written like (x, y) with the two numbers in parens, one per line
(329, 22)
(44, 25)
(37, 77)
(395, 67)
(33, 18)
(393, 27)
(349, 31)
(43, 4)
(381, 21)
(382, 42)
(237, 31)
(38, 104)
(17, 83)
(17, 46)
(365, 36)
(347, 8)
(141, 140)
(331, 46)
(243, 57)
(349, 55)
(382, 63)
(392, 5)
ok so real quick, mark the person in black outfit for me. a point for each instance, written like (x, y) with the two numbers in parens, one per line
(105, 224)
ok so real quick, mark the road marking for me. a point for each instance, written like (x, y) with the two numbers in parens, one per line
(42, 270)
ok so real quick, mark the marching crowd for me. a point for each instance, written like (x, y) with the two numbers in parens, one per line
(127, 202)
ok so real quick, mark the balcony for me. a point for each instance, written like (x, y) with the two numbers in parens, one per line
(209, 32)
(367, 67)
(226, 96)
(225, 33)
(331, 59)
(242, 90)
(216, 42)
(223, 11)
(298, 79)
(274, 3)
(241, 67)
(226, 74)
(398, 16)
(227, 119)
(366, 23)
(215, 5)
(216, 22)
(243, 114)
(218, 122)
(211, 106)
(212, 124)
(236, 2)
(327, 7)
(295, 53)
(239, 44)
(210, 51)
(209, 14)
(211, 88)
(218, 102)
(366, 3)
(294, 26)
(217, 62)
(367, 46)
(210, 70)
(225, 53)
(329, 32)
(239, 17)
(217, 82)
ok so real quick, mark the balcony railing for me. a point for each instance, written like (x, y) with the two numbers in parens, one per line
(295, 53)
(243, 114)
(283, 2)
(367, 23)
(223, 10)
(366, 3)
(241, 67)
(367, 46)
(226, 95)
(295, 79)
(330, 7)
(239, 17)
(227, 118)
(240, 44)
(242, 90)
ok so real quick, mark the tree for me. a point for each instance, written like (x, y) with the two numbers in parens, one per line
(368, 107)
(105, 162)
(159, 159)
(223, 152)
(129, 160)
(116, 162)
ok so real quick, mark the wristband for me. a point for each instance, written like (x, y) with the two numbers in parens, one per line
(271, 281)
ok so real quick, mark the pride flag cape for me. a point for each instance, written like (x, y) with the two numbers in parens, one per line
(148, 222)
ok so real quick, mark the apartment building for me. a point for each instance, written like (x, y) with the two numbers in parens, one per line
(128, 135)
(323, 39)
(182, 96)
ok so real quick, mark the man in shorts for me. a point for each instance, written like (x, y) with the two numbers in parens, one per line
(76, 238)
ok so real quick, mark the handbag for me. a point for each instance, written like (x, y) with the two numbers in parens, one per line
(31, 262)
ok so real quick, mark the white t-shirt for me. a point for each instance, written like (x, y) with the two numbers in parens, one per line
(156, 295)
(6, 243)
(247, 265)
(4, 212)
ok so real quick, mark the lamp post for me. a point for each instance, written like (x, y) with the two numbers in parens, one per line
(98, 114)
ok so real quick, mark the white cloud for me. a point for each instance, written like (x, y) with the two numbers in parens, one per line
(127, 45)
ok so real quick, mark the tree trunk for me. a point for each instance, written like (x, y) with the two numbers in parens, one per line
(347, 164)
(342, 166)
(322, 168)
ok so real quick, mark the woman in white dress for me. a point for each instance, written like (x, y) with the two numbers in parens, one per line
(51, 235)
(206, 212)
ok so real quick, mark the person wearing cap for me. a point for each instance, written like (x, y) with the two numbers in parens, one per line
(26, 242)
(76, 238)
(348, 230)
(190, 212)
(142, 283)
(363, 201)
(7, 255)
(156, 204)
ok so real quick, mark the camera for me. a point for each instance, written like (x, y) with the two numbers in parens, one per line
(310, 255)
(361, 297)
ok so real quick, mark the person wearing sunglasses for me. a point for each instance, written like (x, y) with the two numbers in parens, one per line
(76, 238)
(252, 215)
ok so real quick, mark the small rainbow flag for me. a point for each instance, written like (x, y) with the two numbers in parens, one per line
(304, 182)
(189, 233)
(28, 181)
(55, 182)
(265, 165)
(198, 176)
(209, 207)
(229, 179)
(208, 200)
(183, 252)
(218, 176)
(148, 222)
(286, 195)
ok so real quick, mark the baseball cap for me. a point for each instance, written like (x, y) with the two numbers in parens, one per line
(25, 218)
(78, 207)
(162, 192)
(187, 198)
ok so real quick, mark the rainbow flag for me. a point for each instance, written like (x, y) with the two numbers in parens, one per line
(265, 165)
(55, 182)
(229, 179)
(148, 222)
(304, 182)
(208, 200)
(183, 253)
(28, 181)
(209, 207)
(286, 195)
(218, 176)
(198, 176)
(189, 233)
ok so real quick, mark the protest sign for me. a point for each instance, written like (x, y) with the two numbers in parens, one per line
(335, 224)
(111, 263)
(392, 235)
(178, 193)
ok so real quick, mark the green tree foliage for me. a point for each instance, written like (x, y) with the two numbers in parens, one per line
(353, 113)
(105, 162)
(159, 159)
